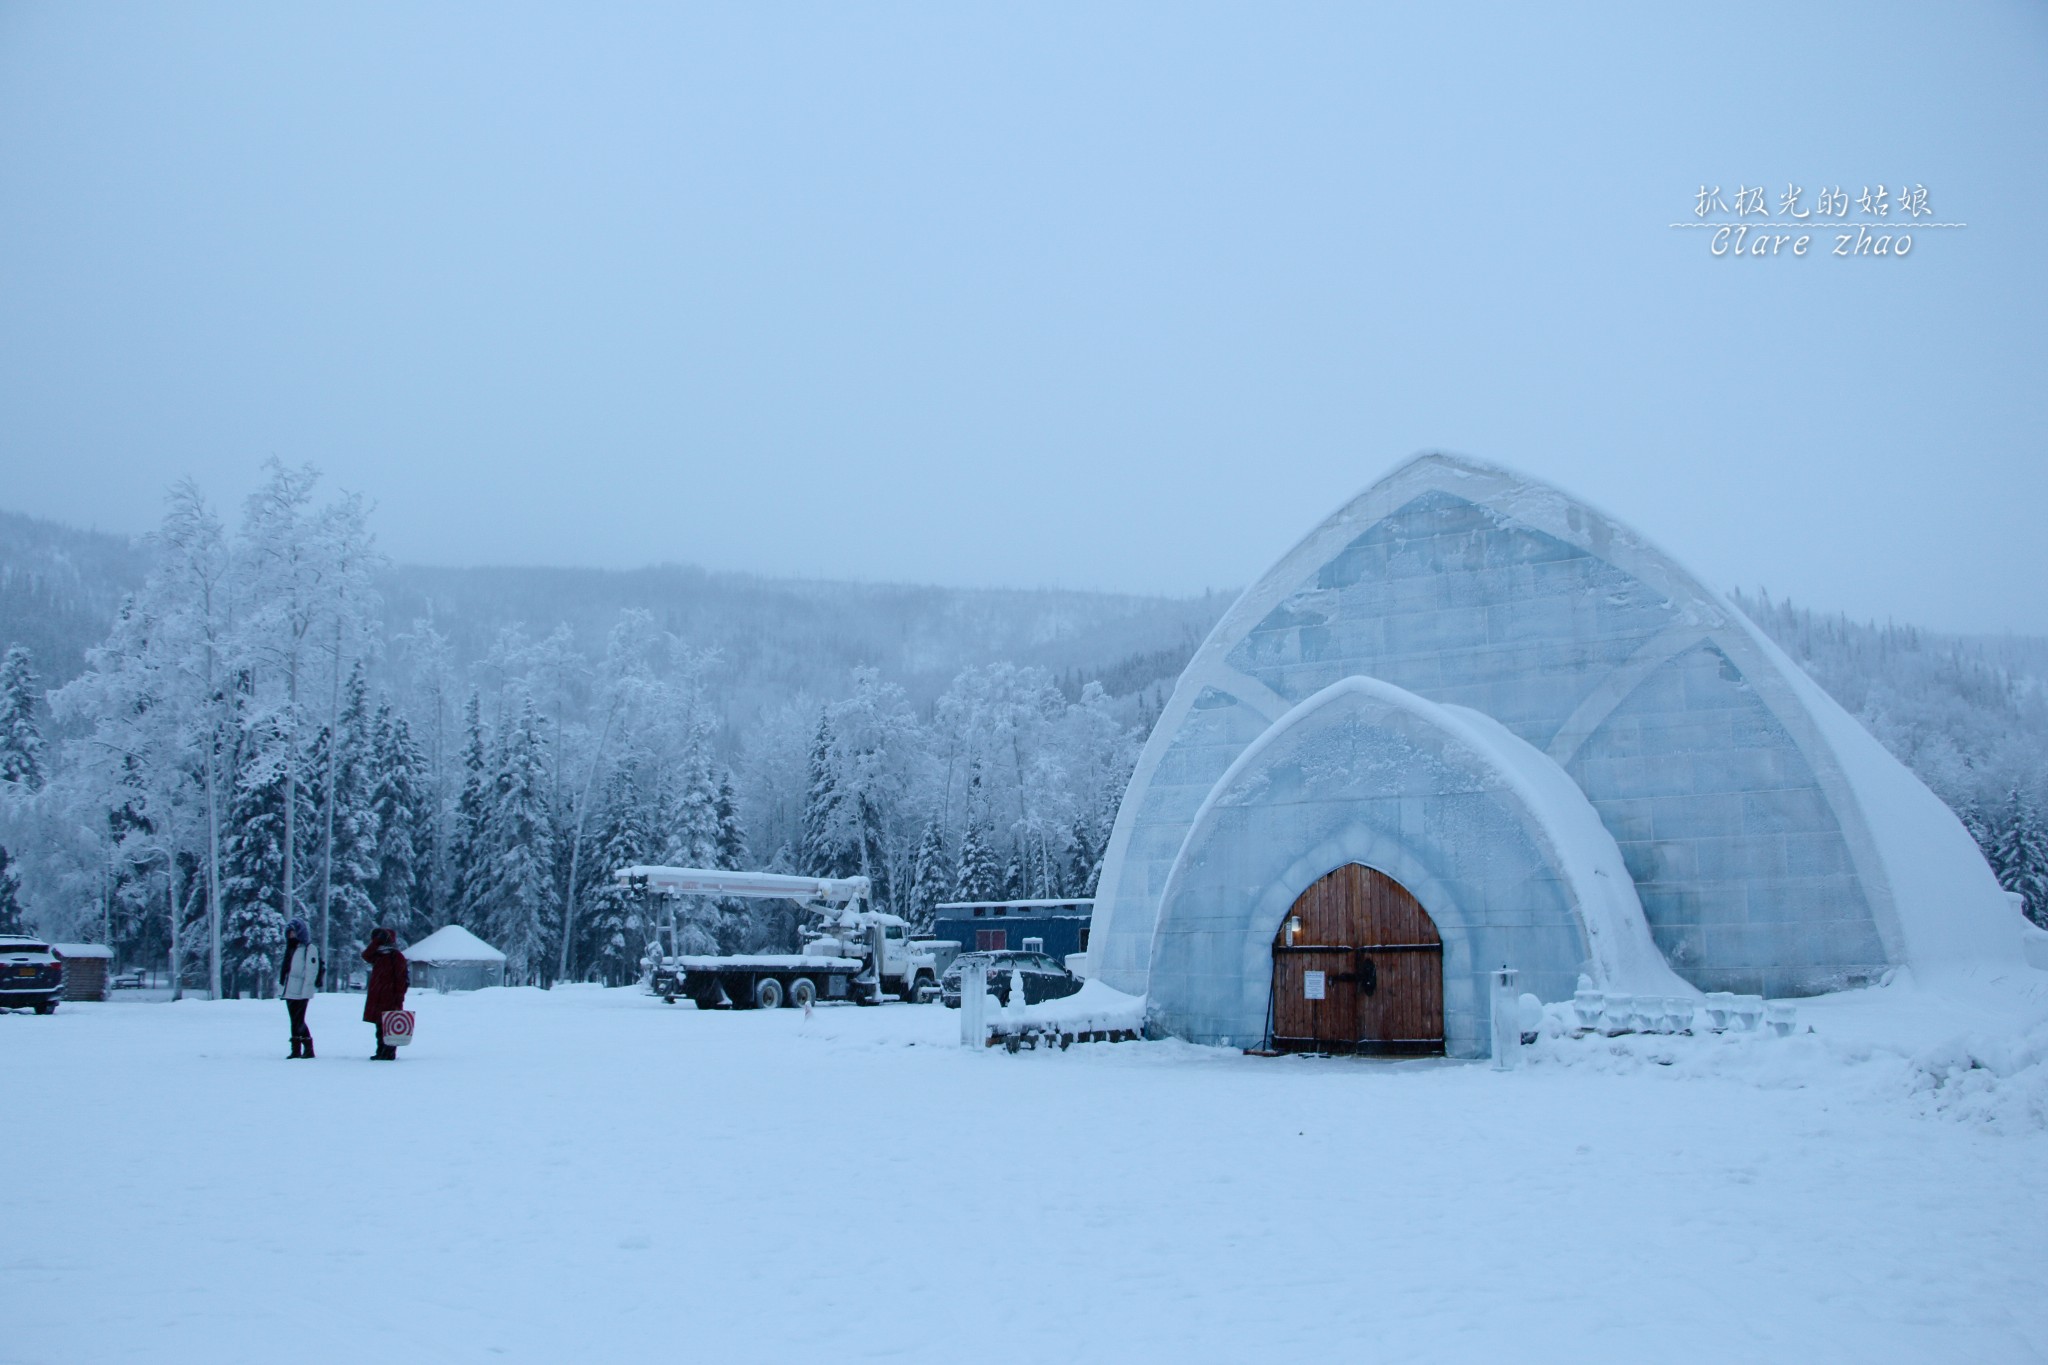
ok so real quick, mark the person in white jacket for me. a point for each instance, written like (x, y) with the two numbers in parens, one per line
(301, 973)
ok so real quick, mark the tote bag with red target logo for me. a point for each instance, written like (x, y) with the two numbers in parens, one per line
(397, 1027)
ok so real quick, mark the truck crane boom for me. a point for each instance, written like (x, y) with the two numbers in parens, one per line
(705, 881)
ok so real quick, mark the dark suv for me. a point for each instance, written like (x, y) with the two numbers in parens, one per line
(1044, 979)
(30, 974)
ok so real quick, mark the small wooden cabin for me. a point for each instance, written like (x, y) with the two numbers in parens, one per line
(87, 969)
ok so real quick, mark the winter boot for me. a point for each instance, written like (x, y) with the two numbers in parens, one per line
(296, 1053)
(306, 1047)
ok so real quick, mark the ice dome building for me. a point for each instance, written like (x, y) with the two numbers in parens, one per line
(1471, 722)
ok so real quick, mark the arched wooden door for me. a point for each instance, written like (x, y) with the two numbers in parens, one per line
(1363, 972)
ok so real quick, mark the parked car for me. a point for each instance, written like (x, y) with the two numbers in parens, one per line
(30, 974)
(1044, 979)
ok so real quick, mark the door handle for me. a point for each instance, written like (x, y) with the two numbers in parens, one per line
(1368, 976)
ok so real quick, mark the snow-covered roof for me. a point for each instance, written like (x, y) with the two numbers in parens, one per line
(81, 950)
(453, 943)
(1083, 905)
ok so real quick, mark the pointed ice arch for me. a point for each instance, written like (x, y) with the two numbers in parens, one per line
(1772, 843)
(1497, 844)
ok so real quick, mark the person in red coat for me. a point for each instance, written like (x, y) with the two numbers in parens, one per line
(388, 980)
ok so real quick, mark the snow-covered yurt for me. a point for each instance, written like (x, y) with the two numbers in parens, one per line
(1470, 722)
(453, 959)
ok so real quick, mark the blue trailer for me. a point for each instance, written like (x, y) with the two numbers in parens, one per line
(998, 926)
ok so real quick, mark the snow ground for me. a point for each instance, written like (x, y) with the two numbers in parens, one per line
(589, 1174)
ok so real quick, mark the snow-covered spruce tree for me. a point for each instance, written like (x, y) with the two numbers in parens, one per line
(1084, 861)
(11, 920)
(623, 680)
(871, 845)
(2019, 854)
(732, 835)
(429, 712)
(737, 932)
(21, 742)
(520, 892)
(819, 851)
(403, 887)
(980, 873)
(619, 924)
(857, 818)
(689, 825)
(469, 846)
(344, 757)
(253, 862)
(930, 876)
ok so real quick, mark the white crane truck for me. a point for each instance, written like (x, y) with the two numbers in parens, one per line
(855, 953)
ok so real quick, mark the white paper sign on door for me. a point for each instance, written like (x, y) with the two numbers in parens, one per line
(1311, 985)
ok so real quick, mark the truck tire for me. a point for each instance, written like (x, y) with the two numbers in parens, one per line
(914, 994)
(767, 993)
(802, 993)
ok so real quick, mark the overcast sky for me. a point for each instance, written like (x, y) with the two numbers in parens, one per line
(1098, 296)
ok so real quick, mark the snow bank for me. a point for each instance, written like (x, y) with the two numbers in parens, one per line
(1979, 1078)
(1995, 1080)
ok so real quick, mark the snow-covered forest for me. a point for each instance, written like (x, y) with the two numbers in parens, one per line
(274, 707)
(253, 739)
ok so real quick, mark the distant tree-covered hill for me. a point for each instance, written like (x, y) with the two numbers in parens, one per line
(60, 588)
(778, 637)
